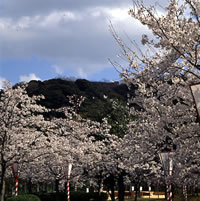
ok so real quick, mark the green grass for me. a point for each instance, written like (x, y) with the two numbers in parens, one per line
(152, 199)
(176, 198)
(143, 199)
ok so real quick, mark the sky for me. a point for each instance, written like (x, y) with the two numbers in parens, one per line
(48, 39)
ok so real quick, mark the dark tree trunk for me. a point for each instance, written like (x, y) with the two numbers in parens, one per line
(3, 183)
(57, 185)
(121, 187)
(65, 186)
(30, 190)
(100, 187)
(113, 191)
(136, 192)
(2, 191)
(109, 182)
(112, 187)
(46, 188)
(38, 188)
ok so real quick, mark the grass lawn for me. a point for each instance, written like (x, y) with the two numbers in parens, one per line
(177, 198)
(146, 199)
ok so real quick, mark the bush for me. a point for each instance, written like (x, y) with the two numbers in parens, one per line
(178, 198)
(190, 198)
(80, 196)
(95, 196)
(27, 197)
(83, 196)
(194, 198)
(52, 196)
(74, 196)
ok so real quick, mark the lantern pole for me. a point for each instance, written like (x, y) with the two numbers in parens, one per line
(195, 90)
(68, 178)
(166, 157)
(16, 174)
(170, 173)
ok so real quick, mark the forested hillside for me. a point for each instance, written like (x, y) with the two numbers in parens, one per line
(97, 95)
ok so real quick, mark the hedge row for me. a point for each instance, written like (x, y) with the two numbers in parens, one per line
(28, 197)
(74, 196)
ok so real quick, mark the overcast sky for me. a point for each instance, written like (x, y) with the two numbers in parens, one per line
(44, 39)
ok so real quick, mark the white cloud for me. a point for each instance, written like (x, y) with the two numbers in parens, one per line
(27, 78)
(56, 17)
(2, 80)
(72, 34)
(82, 73)
(118, 14)
(58, 69)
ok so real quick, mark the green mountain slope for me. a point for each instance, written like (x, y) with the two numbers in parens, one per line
(96, 104)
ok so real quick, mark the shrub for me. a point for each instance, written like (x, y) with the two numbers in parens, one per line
(194, 198)
(178, 198)
(27, 197)
(83, 196)
(96, 197)
(190, 198)
(52, 196)
(79, 196)
(74, 196)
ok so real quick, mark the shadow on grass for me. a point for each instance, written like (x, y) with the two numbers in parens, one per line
(176, 198)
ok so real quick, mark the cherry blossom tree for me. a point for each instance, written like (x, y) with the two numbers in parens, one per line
(74, 140)
(167, 111)
(174, 48)
(91, 148)
(23, 130)
(162, 75)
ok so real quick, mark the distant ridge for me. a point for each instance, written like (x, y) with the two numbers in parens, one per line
(95, 105)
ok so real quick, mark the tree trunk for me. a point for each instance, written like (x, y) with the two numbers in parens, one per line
(46, 188)
(100, 187)
(57, 185)
(121, 188)
(38, 187)
(112, 192)
(112, 187)
(136, 192)
(3, 183)
(29, 186)
(3, 188)
(24, 187)
(109, 182)
(65, 186)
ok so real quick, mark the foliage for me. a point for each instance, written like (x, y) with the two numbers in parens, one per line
(27, 197)
(52, 196)
(119, 117)
(94, 107)
(23, 135)
(194, 198)
(74, 196)
(175, 198)
(163, 74)
(174, 47)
